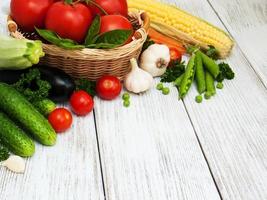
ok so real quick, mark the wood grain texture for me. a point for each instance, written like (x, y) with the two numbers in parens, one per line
(232, 126)
(149, 150)
(69, 170)
(247, 22)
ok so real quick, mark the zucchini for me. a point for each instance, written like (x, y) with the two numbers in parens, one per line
(18, 108)
(14, 138)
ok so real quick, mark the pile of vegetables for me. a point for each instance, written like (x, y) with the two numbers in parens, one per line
(29, 97)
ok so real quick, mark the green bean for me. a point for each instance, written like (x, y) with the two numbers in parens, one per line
(178, 81)
(210, 83)
(207, 95)
(210, 65)
(200, 74)
(188, 77)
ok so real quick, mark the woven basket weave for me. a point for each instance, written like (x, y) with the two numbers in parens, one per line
(93, 63)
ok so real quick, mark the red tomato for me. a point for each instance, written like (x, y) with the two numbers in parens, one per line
(81, 102)
(175, 54)
(113, 22)
(60, 119)
(108, 87)
(29, 13)
(110, 6)
(69, 21)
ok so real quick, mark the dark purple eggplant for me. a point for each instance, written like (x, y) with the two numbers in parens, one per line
(62, 84)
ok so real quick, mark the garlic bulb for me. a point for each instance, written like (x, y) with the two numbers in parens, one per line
(15, 164)
(155, 59)
(137, 80)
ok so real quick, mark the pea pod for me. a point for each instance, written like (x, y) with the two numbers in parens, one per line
(210, 65)
(178, 81)
(200, 74)
(210, 83)
(188, 77)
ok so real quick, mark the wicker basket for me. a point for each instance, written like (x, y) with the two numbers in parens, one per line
(93, 63)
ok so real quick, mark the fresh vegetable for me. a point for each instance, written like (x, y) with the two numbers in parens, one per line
(176, 69)
(219, 85)
(207, 95)
(212, 52)
(184, 27)
(126, 103)
(32, 87)
(22, 111)
(110, 7)
(137, 80)
(225, 72)
(115, 22)
(69, 20)
(175, 54)
(165, 91)
(4, 154)
(178, 81)
(198, 99)
(15, 164)
(210, 65)
(155, 59)
(200, 74)
(81, 103)
(174, 45)
(62, 85)
(19, 53)
(14, 138)
(45, 106)
(86, 85)
(29, 13)
(210, 83)
(60, 119)
(108, 87)
(160, 86)
(188, 77)
(126, 96)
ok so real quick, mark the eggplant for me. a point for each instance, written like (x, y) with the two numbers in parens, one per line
(62, 85)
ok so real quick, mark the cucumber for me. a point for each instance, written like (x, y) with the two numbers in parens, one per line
(45, 106)
(19, 109)
(14, 138)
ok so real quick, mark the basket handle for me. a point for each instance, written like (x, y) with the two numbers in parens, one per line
(146, 23)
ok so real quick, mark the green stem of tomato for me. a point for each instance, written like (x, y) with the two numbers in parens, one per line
(98, 6)
(68, 1)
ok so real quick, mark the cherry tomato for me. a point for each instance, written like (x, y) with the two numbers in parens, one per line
(29, 13)
(60, 119)
(108, 87)
(113, 22)
(175, 54)
(110, 6)
(81, 102)
(69, 21)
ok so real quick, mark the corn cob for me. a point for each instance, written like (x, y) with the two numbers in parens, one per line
(182, 26)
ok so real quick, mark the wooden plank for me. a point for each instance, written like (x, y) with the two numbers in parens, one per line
(149, 150)
(247, 22)
(232, 126)
(69, 170)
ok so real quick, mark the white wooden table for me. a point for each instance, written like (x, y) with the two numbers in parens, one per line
(161, 148)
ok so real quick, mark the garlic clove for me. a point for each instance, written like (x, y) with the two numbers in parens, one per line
(15, 164)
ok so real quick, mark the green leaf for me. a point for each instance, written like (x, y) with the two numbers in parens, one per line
(116, 37)
(68, 1)
(53, 38)
(102, 46)
(93, 31)
(86, 85)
